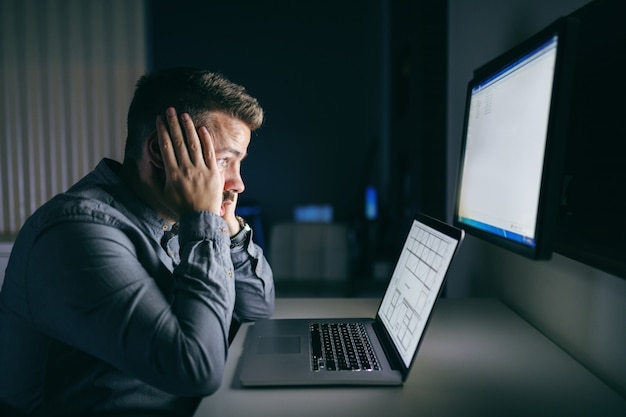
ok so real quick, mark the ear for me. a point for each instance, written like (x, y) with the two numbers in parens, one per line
(154, 151)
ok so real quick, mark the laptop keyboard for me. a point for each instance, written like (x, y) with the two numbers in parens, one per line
(341, 347)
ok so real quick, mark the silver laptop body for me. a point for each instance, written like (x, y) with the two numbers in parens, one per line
(296, 352)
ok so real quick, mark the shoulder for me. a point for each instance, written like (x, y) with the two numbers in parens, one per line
(76, 208)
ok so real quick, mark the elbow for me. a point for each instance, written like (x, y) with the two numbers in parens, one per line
(206, 379)
(263, 308)
(198, 373)
(252, 315)
(200, 384)
(210, 384)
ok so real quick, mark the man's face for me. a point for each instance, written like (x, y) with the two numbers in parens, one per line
(231, 138)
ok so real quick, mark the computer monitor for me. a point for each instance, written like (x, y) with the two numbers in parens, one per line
(514, 137)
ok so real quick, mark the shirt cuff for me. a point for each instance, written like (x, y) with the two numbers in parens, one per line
(203, 225)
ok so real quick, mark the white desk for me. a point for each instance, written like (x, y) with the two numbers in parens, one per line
(478, 359)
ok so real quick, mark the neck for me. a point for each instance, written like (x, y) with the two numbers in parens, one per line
(144, 183)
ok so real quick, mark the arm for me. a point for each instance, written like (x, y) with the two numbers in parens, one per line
(194, 181)
(95, 287)
(254, 280)
(254, 283)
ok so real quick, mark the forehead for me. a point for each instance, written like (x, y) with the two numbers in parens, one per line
(228, 132)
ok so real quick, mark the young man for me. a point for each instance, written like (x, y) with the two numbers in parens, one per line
(120, 293)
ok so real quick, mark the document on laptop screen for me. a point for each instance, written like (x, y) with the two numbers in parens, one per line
(414, 287)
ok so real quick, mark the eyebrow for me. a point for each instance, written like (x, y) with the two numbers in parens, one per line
(231, 151)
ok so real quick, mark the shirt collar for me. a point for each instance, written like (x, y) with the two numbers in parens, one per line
(105, 175)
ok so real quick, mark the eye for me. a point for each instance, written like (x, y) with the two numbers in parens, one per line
(222, 162)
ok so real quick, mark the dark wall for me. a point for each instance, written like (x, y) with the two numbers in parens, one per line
(592, 226)
(354, 94)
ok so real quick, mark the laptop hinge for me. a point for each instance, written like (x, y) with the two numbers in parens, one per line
(390, 351)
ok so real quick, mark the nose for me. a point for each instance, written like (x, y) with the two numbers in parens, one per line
(233, 181)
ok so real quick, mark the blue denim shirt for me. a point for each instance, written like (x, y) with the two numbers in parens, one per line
(104, 309)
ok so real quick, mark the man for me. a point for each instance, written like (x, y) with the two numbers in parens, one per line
(119, 293)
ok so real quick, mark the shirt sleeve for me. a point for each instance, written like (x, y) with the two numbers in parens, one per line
(99, 288)
(254, 282)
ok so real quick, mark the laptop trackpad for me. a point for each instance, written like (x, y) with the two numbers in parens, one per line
(274, 345)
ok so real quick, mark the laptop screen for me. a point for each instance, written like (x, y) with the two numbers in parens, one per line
(415, 285)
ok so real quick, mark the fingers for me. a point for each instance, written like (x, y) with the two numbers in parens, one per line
(208, 150)
(193, 180)
(193, 151)
(179, 148)
(165, 144)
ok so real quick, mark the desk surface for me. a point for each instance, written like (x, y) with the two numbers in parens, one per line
(478, 358)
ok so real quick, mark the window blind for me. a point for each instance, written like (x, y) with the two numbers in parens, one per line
(67, 74)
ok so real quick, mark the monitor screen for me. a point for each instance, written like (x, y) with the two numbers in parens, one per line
(514, 145)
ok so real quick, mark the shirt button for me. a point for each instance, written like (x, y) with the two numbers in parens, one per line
(229, 273)
(165, 227)
(223, 230)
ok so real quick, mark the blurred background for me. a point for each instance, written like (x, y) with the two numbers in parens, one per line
(354, 94)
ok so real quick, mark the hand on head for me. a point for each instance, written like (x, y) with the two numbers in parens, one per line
(193, 179)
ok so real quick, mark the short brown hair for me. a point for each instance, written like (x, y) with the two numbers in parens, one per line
(188, 90)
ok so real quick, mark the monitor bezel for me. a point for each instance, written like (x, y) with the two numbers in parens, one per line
(556, 143)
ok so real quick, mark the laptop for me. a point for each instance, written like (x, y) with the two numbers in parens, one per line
(359, 351)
